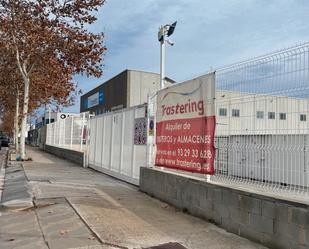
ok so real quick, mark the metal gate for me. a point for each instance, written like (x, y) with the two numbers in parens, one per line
(117, 145)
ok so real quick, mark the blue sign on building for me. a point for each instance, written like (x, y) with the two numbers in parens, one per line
(101, 97)
(85, 103)
(93, 100)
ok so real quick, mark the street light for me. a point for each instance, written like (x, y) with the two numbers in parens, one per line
(164, 31)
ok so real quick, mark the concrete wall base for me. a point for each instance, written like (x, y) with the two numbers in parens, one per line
(272, 222)
(71, 155)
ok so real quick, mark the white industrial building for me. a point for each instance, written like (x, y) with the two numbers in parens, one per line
(262, 137)
(241, 113)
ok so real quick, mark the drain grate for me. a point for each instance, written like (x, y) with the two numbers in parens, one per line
(171, 245)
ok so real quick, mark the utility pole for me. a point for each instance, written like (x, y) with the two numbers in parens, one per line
(162, 63)
(164, 31)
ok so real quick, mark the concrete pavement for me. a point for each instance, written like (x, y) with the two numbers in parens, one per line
(16, 193)
(3, 153)
(81, 208)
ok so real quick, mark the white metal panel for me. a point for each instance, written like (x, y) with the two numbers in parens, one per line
(116, 142)
(139, 159)
(101, 138)
(107, 141)
(128, 143)
(98, 143)
(112, 148)
(92, 140)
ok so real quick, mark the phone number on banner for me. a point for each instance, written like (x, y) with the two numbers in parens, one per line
(194, 153)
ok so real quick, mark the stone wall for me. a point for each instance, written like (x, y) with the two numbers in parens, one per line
(273, 222)
(71, 155)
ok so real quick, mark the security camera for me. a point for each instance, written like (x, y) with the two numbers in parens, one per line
(169, 42)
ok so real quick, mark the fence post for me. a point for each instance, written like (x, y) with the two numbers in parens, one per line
(86, 153)
(148, 148)
(63, 135)
(72, 124)
(59, 133)
(82, 132)
(54, 133)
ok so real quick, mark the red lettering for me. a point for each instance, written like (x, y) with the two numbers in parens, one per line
(182, 109)
(190, 107)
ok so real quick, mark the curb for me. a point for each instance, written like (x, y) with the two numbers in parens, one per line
(25, 203)
(15, 194)
(2, 173)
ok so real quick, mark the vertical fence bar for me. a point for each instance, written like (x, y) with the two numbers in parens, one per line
(59, 133)
(148, 146)
(86, 150)
(71, 137)
(122, 141)
(102, 139)
(54, 134)
(82, 132)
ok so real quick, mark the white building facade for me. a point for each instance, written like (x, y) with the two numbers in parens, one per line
(256, 114)
(262, 137)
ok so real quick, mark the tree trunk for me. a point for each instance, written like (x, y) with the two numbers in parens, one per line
(24, 118)
(26, 78)
(16, 122)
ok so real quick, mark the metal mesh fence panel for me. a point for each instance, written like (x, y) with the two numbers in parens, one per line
(70, 133)
(262, 122)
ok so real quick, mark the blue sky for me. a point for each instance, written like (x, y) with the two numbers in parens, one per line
(208, 34)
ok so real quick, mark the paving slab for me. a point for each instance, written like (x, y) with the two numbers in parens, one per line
(61, 226)
(20, 230)
(50, 223)
(16, 192)
(115, 212)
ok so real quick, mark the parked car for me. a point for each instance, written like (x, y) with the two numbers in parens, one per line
(5, 141)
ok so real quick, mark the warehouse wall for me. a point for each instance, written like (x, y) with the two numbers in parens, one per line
(248, 104)
(115, 94)
(139, 85)
(273, 222)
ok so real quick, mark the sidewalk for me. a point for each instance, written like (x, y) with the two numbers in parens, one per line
(81, 208)
(3, 152)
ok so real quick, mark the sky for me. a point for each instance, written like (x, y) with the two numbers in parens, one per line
(209, 34)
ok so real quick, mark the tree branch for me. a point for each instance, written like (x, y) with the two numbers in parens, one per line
(20, 66)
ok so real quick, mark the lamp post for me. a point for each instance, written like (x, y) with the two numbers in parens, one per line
(164, 31)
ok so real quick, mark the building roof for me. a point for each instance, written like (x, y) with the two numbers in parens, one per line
(126, 70)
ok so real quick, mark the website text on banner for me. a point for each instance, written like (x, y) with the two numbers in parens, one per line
(185, 125)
